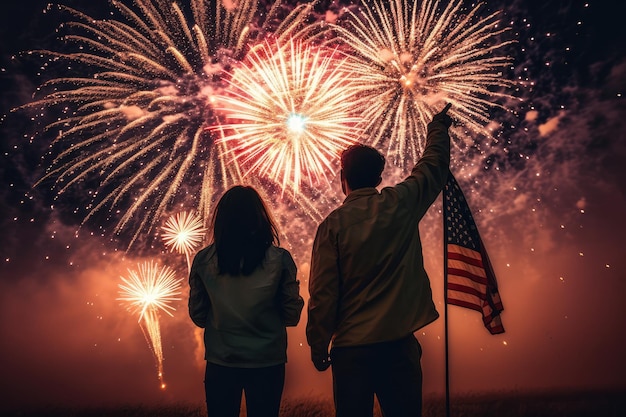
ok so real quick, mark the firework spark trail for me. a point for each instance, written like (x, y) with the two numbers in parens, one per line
(289, 111)
(183, 232)
(412, 58)
(137, 109)
(145, 292)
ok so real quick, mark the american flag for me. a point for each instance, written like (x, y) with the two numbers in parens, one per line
(470, 280)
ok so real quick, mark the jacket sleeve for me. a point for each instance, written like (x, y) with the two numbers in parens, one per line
(291, 303)
(430, 173)
(199, 302)
(323, 290)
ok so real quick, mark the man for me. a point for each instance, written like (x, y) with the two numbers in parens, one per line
(368, 288)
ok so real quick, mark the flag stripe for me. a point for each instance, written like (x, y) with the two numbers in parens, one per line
(494, 324)
(466, 252)
(470, 301)
(462, 258)
(461, 295)
(465, 281)
(470, 271)
(463, 303)
(470, 289)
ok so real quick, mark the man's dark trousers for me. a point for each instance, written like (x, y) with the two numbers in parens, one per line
(390, 370)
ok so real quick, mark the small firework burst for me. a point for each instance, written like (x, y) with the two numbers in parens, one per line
(183, 232)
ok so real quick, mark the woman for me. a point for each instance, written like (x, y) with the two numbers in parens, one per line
(244, 293)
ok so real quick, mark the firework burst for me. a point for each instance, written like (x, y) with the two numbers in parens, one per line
(136, 112)
(183, 232)
(289, 110)
(145, 292)
(415, 56)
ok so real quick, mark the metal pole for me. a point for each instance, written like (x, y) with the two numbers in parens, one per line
(445, 297)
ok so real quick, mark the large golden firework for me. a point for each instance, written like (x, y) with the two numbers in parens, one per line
(288, 112)
(414, 56)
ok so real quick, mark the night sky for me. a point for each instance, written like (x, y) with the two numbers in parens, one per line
(548, 195)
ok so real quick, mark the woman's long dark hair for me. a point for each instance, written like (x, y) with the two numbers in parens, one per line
(242, 231)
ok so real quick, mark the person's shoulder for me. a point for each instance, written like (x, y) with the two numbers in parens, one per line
(331, 223)
(334, 214)
(279, 251)
(279, 255)
(207, 249)
(204, 255)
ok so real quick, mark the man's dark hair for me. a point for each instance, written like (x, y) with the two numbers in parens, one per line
(243, 229)
(362, 166)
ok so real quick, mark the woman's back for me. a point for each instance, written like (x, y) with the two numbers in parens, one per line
(245, 323)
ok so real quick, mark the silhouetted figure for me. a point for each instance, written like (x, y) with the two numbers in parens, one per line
(244, 293)
(368, 288)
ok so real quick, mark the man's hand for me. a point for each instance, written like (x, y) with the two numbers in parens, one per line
(443, 117)
(320, 358)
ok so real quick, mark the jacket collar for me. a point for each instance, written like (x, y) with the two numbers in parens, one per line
(361, 192)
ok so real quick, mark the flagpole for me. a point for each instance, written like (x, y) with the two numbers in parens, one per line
(457, 221)
(445, 297)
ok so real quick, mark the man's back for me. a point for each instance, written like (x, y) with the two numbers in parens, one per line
(368, 283)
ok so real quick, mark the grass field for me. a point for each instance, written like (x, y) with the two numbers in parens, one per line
(507, 404)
